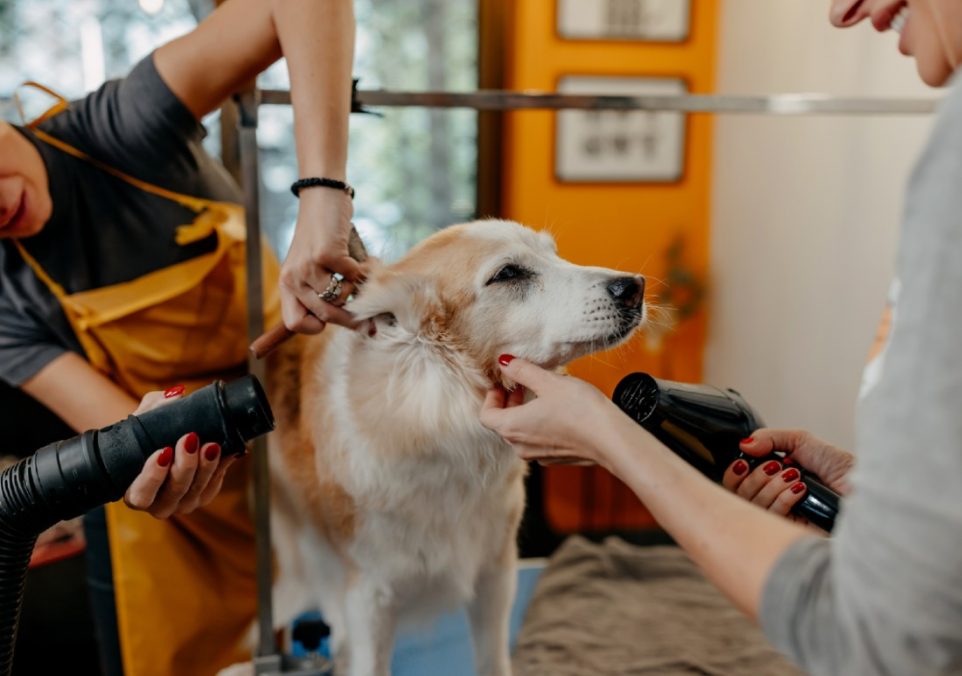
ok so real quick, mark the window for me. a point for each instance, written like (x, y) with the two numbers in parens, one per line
(414, 168)
(73, 46)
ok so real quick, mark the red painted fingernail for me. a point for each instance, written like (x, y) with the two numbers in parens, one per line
(166, 457)
(798, 488)
(747, 441)
(790, 475)
(740, 467)
(191, 443)
(174, 391)
(771, 467)
(212, 452)
(505, 359)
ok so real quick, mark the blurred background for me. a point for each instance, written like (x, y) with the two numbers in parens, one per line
(73, 47)
(769, 240)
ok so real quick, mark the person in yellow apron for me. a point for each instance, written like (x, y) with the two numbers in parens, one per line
(122, 271)
(186, 324)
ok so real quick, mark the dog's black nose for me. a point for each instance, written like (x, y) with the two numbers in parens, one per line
(627, 291)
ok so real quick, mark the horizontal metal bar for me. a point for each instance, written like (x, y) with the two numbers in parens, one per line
(777, 104)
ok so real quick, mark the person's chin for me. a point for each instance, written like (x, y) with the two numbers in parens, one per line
(21, 232)
(37, 221)
(32, 225)
(30, 232)
(933, 74)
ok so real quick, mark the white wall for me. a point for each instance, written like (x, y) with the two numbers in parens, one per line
(805, 212)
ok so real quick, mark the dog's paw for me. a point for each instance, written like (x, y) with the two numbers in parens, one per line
(243, 669)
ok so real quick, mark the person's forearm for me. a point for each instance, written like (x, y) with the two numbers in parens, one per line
(736, 543)
(80, 395)
(317, 39)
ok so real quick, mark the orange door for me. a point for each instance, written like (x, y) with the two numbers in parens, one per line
(658, 229)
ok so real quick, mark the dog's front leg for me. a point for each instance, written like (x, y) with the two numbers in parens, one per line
(490, 613)
(371, 622)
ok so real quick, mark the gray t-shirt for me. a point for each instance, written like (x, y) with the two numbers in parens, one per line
(884, 594)
(104, 231)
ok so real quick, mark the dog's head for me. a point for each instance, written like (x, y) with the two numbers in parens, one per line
(473, 292)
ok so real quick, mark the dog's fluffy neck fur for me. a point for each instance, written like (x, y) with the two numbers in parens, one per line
(425, 388)
(409, 436)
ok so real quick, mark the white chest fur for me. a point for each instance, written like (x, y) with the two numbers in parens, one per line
(436, 502)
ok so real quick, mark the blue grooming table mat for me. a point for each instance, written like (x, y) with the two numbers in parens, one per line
(444, 648)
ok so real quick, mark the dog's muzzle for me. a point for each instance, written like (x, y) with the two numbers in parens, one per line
(627, 292)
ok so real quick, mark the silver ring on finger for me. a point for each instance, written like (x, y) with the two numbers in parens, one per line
(332, 292)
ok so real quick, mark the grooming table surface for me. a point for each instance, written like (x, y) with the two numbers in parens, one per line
(445, 648)
(613, 608)
(606, 610)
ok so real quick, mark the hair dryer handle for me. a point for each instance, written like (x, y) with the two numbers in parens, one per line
(820, 504)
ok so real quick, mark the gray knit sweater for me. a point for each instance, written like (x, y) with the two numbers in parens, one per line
(884, 594)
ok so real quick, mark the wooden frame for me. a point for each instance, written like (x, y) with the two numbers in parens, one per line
(614, 146)
(642, 20)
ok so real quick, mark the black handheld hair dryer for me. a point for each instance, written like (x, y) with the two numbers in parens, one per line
(704, 424)
(68, 478)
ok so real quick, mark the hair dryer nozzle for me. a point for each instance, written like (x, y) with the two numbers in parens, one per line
(705, 425)
(67, 478)
(247, 406)
(701, 423)
(637, 395)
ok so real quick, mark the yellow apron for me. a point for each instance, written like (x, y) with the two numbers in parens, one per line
(185, 587)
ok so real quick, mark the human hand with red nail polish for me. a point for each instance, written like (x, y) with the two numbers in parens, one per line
(562, 422)
(775, 485)
(180, 478)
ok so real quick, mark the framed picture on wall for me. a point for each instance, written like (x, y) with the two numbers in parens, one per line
(653, 20)
(612, 146)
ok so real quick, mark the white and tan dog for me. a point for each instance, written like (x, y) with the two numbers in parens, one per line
(391, 501)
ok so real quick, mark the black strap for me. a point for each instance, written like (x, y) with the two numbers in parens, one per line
(315, 182)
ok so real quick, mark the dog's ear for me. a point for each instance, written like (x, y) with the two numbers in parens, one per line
(394, 304)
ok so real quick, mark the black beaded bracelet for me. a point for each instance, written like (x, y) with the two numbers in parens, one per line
(296, 186)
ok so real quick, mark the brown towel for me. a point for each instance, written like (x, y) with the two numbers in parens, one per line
(619, 609)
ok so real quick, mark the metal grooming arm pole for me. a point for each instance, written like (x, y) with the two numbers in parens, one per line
(267, 661)
(776, 104)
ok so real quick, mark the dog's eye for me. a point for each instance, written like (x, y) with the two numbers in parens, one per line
(509, 273)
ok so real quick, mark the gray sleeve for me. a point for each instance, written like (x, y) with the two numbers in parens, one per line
(132, 115)
(139, 126)
(21, 361)
(136, 124)
(884, 594)
(33, 328)
(25, 348)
